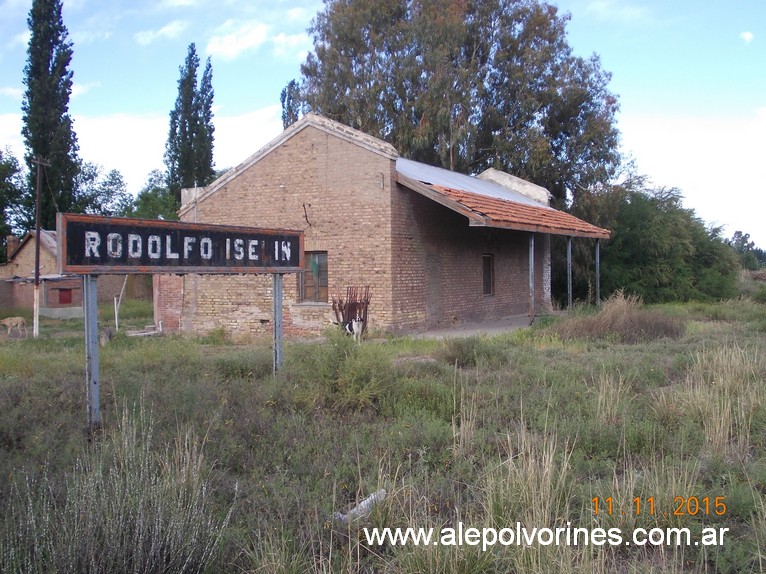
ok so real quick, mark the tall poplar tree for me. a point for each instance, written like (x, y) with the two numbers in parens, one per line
(189, 149)
(48, 132)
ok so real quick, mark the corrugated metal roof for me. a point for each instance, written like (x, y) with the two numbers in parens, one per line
(430, 174)
(490, 204)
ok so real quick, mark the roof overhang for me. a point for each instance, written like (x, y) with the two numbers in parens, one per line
(484, 211)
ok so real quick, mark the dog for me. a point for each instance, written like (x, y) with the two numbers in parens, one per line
(355, 327)
(18, 322)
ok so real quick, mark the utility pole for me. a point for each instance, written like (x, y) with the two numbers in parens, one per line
(36, 316)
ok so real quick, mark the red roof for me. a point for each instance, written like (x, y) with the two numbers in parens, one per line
(504, 213)
(491, 205)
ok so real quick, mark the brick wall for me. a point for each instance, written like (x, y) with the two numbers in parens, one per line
(338, 194)
(437, 262)
(422, 260)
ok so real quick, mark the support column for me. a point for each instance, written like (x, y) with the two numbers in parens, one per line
(277, 322)
(598, 272)
(569, 273)
(92, 391)
(531, 275)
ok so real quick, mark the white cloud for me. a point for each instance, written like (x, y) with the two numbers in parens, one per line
(234, 37)
(21, 39)
(133, 144)
(296, 14)
(177, 3)
(617, 10)
(169, 31)
(747, 37)
(10, 134)
(716, 162)
(16, 94)
(292, 46)
(239, 137)
(91, 36)
(81, 89)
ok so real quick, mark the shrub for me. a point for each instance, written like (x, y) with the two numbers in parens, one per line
(337, 373)
(248, 364)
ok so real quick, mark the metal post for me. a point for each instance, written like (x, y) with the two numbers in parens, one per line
(531, 274)
(36, 312)
(569, 273)
(598, 272)
(90, 302)
(277, 322)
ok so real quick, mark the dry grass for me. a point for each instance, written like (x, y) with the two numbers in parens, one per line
(621, 318)
(122, 509)
(530, 429)
(723, 388)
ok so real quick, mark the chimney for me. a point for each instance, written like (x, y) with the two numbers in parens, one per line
(11, 245)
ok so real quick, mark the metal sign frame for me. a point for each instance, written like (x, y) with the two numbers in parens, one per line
(90, 245)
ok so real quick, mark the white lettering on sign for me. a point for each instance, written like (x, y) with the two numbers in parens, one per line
(206, 248)
(252, 250)
(114, 245)
(282, 250)
(135, 247)
(239, 249)
(169, 253)
(158, 247)
(189, 246)
(92, 243)
(154, 247)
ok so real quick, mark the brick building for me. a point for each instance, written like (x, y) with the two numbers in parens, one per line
(60, 295)
(436, 247)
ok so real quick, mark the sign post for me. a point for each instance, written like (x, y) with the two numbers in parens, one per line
(90, 245)
(277, 322)
(92, 390)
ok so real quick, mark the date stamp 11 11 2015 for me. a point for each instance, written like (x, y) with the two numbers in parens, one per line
(681, 506)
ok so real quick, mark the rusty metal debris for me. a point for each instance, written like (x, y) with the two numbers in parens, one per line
(355, 304)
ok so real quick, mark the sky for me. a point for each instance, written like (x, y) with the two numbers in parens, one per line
(690, 76)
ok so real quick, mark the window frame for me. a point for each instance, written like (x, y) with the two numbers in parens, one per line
(488, 274)
(320, 293)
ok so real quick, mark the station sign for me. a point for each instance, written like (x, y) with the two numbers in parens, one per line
(92, 245)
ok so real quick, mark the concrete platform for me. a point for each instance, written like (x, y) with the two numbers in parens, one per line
(494, 327)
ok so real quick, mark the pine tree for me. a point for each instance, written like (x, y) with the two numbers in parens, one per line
(48, 131)
(189, 149)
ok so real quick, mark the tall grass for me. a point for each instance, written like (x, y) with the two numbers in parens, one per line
(724, 390)
(621, 318)
(487, 431)
(121, 509)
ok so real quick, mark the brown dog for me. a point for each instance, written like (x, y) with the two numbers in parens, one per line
(18, 322)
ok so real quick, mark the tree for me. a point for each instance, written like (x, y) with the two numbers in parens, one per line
(289, 98)
(466, 85)
(203, 142)
(745, 248)
(100, 194)
(659, 250)
(189, 149)
(47, 130)
(155, 200)
(11, 189)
